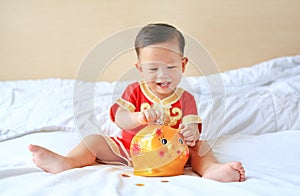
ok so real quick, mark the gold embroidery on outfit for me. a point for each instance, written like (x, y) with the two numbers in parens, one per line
(148, 93)
(177, 114)
(174, 97)
(126, 105)
(191, 119)
(145, 106)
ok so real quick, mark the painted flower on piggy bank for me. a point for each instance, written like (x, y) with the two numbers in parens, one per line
(158, 150)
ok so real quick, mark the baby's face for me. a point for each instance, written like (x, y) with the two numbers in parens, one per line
(161, 66)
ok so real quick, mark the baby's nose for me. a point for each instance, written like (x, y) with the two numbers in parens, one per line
(162, 72)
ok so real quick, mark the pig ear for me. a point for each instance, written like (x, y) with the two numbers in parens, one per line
(158, 132)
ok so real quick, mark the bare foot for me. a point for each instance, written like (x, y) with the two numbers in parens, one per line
(48, 160)
(226, 172)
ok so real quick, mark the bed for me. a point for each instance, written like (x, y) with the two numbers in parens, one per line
(254, 118)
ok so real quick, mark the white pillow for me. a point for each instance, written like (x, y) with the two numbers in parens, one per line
(260, 99)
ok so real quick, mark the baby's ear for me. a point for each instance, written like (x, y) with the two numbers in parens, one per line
(138, 67)
(184, 62)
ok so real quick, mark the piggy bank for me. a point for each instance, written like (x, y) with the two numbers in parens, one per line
(158, 150)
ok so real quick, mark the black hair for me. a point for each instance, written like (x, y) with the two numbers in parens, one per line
(158, 33)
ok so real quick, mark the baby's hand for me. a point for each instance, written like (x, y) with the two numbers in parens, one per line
(190, 133)
(150, 116)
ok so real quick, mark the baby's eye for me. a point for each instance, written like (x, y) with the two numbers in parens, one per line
(180, 141)
(164, 141)
(172, 67)
(153, 69)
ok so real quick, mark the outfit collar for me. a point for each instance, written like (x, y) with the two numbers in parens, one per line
(174, 97)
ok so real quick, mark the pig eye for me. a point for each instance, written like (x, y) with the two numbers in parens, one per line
(180, 141)
(164, 141)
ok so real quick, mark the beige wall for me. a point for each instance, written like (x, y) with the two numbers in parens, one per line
(51, 38)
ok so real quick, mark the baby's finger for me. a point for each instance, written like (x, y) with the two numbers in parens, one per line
(190, 138)
(159, 117)
(158, 114)
(155, 115)
(146, 115)
(152, 115)
(187, 133)
(190, 143)
(181, 128)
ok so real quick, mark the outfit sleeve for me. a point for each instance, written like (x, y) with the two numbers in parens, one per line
(190, 112)
(127, 101)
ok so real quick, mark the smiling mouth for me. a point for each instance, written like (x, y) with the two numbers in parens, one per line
(164, 84)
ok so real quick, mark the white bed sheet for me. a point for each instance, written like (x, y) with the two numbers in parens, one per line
(271, 161)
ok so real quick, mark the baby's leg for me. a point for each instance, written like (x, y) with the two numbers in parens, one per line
(205, 164)
(82, 155)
